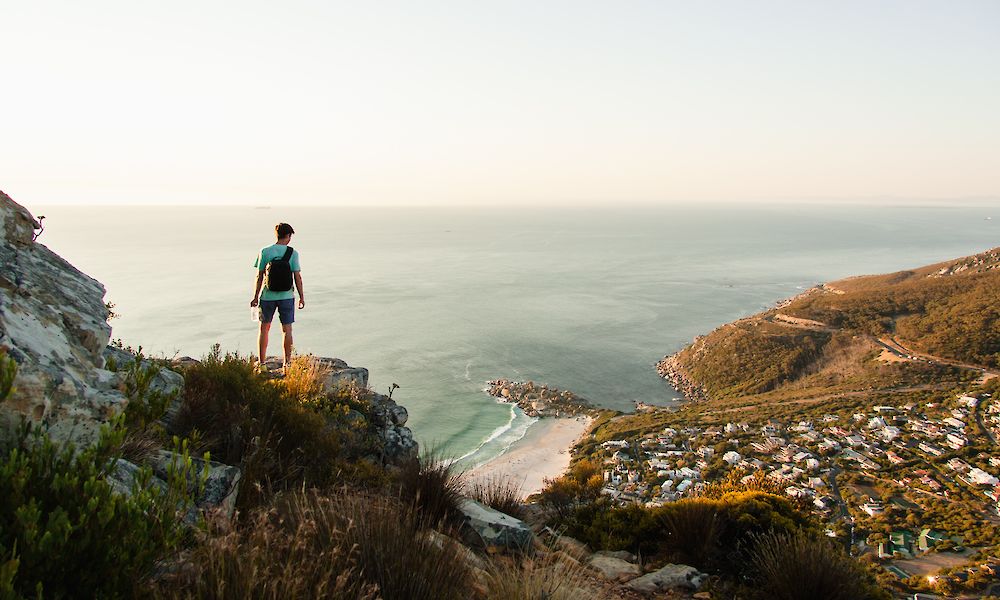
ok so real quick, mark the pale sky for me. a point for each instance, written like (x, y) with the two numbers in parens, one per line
(471, 102)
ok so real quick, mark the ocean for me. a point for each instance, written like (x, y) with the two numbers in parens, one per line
(441, 300)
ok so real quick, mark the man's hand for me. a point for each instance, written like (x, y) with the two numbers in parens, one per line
(302, 303)
(253, 303)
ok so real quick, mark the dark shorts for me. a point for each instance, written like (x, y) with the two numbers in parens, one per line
(286, 310)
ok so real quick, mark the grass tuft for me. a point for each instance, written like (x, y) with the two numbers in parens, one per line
(797, 566)
(499, 493)
(547, 577)
(311, 546)
(432, 486)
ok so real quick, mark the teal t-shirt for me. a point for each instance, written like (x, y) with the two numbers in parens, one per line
(266, 255)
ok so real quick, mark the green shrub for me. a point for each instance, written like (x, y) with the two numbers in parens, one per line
(759, 481)
(582, 484)
(64, 531)
(8, 371)
(798, 566)
(145, 405)
(245, 419)
(704, 532)
(603, 526)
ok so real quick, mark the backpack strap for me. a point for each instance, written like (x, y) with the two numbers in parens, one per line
(288, 254)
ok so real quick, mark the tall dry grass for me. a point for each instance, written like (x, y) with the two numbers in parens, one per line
(432, 486)
(549, 577)
(797, 566)
(693, 528)
(499, 493)
(311, 546)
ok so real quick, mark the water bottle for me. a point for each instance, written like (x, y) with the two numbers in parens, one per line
(255, 313)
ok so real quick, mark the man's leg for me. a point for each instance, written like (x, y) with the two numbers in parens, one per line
(286, 313)
(267, 308)
(287, 331)
(265, 328)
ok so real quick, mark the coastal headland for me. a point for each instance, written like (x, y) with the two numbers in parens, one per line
(539, 400)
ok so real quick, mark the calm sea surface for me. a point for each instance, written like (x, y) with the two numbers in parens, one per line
(442, 300)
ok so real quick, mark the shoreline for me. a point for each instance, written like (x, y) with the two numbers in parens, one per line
(543, 453)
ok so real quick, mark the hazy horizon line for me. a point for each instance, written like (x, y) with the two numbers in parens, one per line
(967, 201)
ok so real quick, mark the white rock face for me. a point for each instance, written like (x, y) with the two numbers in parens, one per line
(614, 569)
(53, 322)
(669, 577)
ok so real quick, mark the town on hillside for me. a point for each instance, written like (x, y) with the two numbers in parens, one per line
(913, 486)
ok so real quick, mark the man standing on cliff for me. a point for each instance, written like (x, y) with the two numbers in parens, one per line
(273, 289)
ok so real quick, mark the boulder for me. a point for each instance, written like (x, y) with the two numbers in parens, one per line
(166, 381)
(221, 484)
(467, 556)
(492, 529)
(399, 444)
(573, 547)
(53, 323)
(669, 577)
(123, 476)
(337, 374)
(564, 558)
(614, 569)
(399, 415)
(619, 554)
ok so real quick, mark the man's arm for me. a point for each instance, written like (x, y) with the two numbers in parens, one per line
(256, 291)
(298, 286)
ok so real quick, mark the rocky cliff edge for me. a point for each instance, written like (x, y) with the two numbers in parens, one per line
(53, 323)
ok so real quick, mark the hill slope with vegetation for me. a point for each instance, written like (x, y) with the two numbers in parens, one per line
(905, 329)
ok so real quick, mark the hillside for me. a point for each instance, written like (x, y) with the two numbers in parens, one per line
(914, 328)
(873, 402)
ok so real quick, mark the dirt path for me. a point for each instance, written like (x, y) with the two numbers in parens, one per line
(893, 345)
(892, 349)
(850, 394)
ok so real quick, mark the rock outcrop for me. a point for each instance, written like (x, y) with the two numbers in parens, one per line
(670, 369)
(53, 323)
(669, 577)
(384, 415)
(613, 568)
(538, 400)
(487, 528)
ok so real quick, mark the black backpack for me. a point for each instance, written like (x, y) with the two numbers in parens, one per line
(279, 273)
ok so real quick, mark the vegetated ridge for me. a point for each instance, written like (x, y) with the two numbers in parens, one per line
(894, 331)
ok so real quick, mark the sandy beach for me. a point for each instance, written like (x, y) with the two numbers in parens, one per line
(543, 453)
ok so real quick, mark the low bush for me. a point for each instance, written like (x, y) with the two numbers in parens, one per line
(798, 566)
(65, 531)
(582, 484)
(606, 527)
(145, 404)
(742, 480)
(246, 419)
(703, 532)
